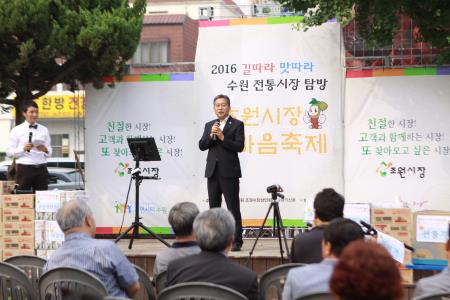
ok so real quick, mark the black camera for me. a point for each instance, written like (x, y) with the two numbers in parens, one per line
(274, 188)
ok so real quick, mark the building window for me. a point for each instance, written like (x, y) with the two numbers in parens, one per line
(206, 13)
(151, 53)
(60, 145)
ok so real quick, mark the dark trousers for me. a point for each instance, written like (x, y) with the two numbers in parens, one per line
(32, 177)
(229, 187)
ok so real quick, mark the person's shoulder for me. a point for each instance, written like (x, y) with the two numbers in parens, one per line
(425, 286)
(18, 127)
(185, 260)
(310, 235)
(42, 126)
(237, 121)
(166, 253)
(434, 280)
(106, 245)
(306, 271)
(56, 253)
(241, 269)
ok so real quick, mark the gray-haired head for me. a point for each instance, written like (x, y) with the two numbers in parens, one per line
(214, 229)
(181, 218)
(73, 214)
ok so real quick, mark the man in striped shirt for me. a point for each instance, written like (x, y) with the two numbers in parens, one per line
(99, 257)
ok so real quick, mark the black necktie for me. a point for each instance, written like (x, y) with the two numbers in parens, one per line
(33, 126)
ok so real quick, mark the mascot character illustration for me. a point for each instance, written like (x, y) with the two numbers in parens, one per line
(314, 115)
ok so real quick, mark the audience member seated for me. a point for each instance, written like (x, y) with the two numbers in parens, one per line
(306, 247)
(214, 230)
(99, 257)
(181, 219)
(366, 271)
(436, 284)
(314, 278)
(67, 294)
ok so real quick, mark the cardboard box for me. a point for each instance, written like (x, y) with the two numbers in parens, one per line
(407, 275)
(45, 254)
(15, 215)
(429, 238)
(39, 230)
(18, 201)
(6, 187)
(10, 253)
(395, 216)
(408, 257)
(18, 243)
(45, 216)
(396, 222)
(48, 201)
(18, 229)
(53, 232)
(41, 254)
(48, 235)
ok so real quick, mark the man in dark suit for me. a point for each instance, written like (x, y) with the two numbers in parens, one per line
(224, 138)
(307, 246)
(214, 230)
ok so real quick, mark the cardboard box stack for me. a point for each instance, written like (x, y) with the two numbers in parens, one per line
(6, 188)
(47, 203)
(430, 236)
(18, 225)
(396, 222)
(48, 235)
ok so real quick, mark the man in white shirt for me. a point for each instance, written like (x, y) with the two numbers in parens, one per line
(29, 144)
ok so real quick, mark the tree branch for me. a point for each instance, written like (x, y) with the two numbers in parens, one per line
(7, 101)
(59, 77)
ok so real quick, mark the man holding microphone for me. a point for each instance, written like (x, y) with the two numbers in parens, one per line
(29, 144)
(224, 138)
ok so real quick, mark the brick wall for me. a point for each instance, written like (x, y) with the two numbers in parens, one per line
(182, 44)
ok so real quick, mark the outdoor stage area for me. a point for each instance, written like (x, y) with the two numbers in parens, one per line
(265, 256)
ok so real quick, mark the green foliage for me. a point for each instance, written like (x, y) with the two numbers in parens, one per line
(378, 20)
(45, 42)
(266, 10)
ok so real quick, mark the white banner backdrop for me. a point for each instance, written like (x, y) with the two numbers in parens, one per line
(164, 110)
(275, 76)
(284, 84)
(397, 141)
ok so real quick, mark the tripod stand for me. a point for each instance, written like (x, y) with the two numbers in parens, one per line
(277, 227)
(142, 149)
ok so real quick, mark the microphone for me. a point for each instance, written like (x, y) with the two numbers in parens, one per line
(30, 136)
(214, 137)
(370, 229)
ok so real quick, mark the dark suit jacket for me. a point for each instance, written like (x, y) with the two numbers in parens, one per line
(224, 153)
(307, 246)
(213, 267)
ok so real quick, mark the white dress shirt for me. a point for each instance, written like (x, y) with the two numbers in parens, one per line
(224, 122)
(19, 136)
